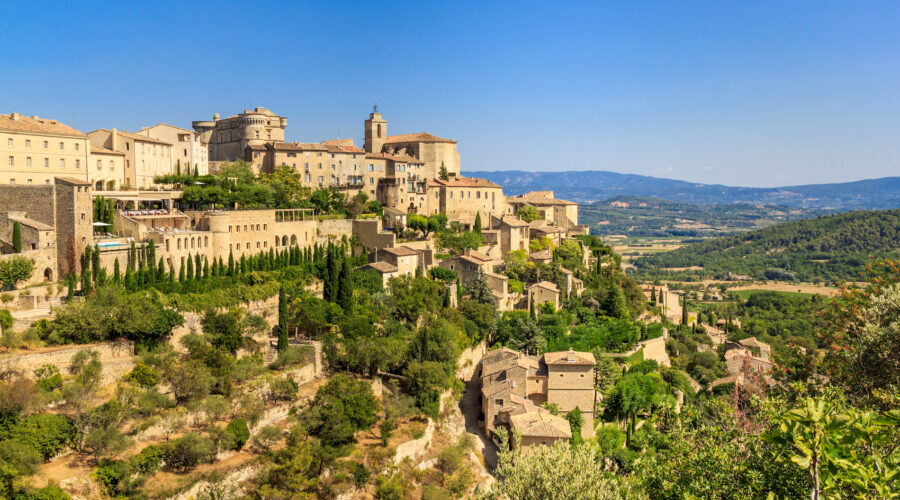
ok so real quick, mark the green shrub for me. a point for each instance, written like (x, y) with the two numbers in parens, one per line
(149, 459)
(284, 389)
(142, 375)
(45, 433)
(190, 450)
(238, 432)
(6, 319)
(389, 487)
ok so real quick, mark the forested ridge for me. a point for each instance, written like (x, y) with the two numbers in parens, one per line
(828, 248)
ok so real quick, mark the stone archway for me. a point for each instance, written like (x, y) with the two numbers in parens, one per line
(48, 274)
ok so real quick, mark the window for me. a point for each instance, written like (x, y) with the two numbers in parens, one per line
(12, 181)
(29, 183)
(229, 229)
(82, 216)
(319, 154)
(111, 165)
(245, 228)
(62, 145)
(46, 144)
(12, 160)
(332, 166)
(28, 161)
(47, 181)
(99, 164)
(371, 167)
(27, 143)
(498, 402)
(248, 245)
(47, 162)
(256, 154)
(77, 163)
(320, 165)
(371, 180)
(9, 142)
(257, 244)
(321, 178)
(237, 229)
(62, 163)
(76, 146)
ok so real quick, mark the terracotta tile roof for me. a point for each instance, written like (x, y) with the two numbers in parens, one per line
(140, 137)
(400, 251)
(297, 146)
(35, 125)
(539, 199)
(97, 150)
(512, 221)
(496, 388)
(471, 182)
(545, 284)
(395, 158)
(540, 423)
(339, 148)
(25, 221)
(569, 357)
(382, 267)
(544, 254)
(338, 142)
(419, 137)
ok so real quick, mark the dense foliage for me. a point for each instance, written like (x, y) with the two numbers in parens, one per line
(832, 248)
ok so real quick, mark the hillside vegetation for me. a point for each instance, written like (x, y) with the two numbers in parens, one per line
(656, 217)
(828, 248)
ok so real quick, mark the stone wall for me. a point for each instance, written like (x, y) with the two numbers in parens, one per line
(35, 201)
(117, 359)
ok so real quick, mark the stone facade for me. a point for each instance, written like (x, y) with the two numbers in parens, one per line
(145, 157)
(229, 138)
(33, 151)
(56, 224)
(515, 384)
(188, 153)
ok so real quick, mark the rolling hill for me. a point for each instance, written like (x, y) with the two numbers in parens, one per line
(593, 185)
(644, 216)
(827, 248)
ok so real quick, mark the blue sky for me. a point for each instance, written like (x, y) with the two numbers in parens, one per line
(742, 93)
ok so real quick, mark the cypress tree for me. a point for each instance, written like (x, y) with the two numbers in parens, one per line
(230, 263)
(70, 285)
(189, 275)
(531, 306)
(205, 268)
(282, 320)
(151, 255)
(117, 274)
(181, 271)
(477, 228)
(161, 271)
(17, 236)
(198, 268)
(345, 292)
(446, 297)
(243, 265)
(329, 290)
(653, 294)
(95, 264)
(684, 312)
(86, 271)
(177, 167)
(132, 255)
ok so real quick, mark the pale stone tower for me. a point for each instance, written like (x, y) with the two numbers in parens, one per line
(376, 131)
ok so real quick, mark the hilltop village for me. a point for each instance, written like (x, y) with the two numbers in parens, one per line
(216, 312)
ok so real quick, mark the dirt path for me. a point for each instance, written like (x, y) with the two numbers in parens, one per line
(470, 406)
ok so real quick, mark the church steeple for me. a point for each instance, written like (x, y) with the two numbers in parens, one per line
(376, 131)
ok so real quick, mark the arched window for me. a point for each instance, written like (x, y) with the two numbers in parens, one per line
(178, 244)
(379, 131)
(192, 242)
(284, 240)
(206, 242)
(293, 239)
(277, 240)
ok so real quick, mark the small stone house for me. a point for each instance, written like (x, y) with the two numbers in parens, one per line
(543, 292)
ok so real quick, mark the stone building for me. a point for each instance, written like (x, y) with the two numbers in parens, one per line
(543, 292)
(433, 151)
(33, 151)
(56, 221)
(106, 169)
(228, 138)
(515, 384)
(145, 157)
(560, 213)
(462, 198)
(406, 260)
(188, 153)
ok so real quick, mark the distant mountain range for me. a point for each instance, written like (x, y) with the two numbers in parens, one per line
(595, 185)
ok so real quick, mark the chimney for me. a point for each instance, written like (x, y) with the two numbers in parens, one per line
(15, 116)
(571, 356)
(114, 140)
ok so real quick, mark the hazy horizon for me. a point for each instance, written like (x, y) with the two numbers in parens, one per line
(760, 95)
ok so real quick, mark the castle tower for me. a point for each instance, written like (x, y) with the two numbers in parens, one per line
(376, 132)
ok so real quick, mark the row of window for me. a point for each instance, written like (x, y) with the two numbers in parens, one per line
(46, 144)
(462, 195)
(252, 227)
(62, 162)
(28, 181)
(112, 165)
